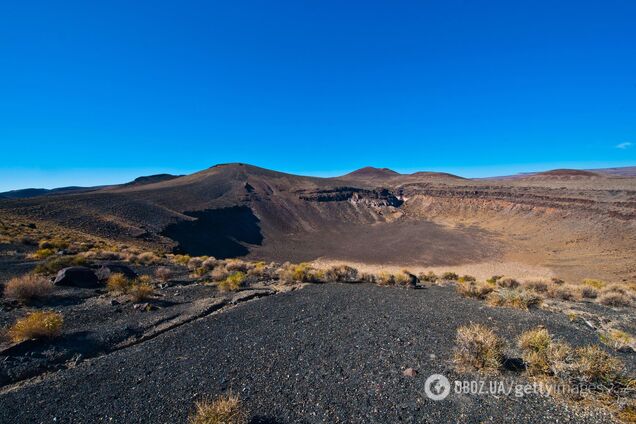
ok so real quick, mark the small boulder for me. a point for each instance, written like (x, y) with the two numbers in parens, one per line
(77, 276)
(106, 270)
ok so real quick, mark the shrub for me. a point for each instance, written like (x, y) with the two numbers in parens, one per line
(297, 273)
(508, 283)
(226, 409)
(597, 284)
(233, 282)
(195, 263)
(143, 279)
(493, 280)
(449, 276)
(341, 273)
(474, 289)
(53, 265)
(537, 286)
(466, 279)
(210, 263)
(237, 265)
(366, 277)
(478, 348)
(385, 279)
(616, 339)
(140, 291)
(27, 288)
(53, 244)
(118, 283)
(42, 253)
(614, 299)
(37, 325)
(565, 292)
(219, 273)
(557, 281)
(588, 292)
(518, 299)
(535, 346)
(163, 273)
(430, 277)
(148, 258)
(595, 366)
(181, 259)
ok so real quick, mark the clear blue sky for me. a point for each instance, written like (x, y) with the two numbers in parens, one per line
(98, 92)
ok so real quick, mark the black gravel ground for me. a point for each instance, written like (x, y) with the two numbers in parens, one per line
(326, 353)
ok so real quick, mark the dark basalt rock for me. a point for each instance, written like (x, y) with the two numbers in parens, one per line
(77, 276)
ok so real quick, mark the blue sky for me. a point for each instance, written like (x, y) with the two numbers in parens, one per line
(101, 92)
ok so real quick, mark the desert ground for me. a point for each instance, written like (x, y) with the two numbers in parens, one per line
(283, 298)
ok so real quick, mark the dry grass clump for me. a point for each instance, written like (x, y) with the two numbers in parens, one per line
(163, 273)
(147, 258)
(508, 283)
(118, 283)
(429, 277)
(478, 348)
(536, 350)
(588, 366)
(449, 276)
(536, 286)
(37, 325)
(54, 244)
(474, 289)
(466, 279)
(385, 279)
(616, 339)
(42, 254)
(493, 280)
(513, 298)
(341, 273)
(139, 291)
(587, 292)
(614, 299)
(597, 284)
(219, 273)
(179, 259)
(565, 292)
(28, 287)
(195, 263)
(366, 277)
(233, 282)
(225, 409)
(300, 273)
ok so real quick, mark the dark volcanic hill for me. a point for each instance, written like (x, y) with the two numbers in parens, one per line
(581, 225)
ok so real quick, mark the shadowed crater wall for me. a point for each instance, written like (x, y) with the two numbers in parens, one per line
(216, 232)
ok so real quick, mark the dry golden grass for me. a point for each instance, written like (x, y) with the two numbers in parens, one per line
(226, 409)
(118, 283)
(139, 292)
(514, 298)
(478, 348)
(536, 286)
(341, 273)
(28, 288)
(597, 284)
(474, 289)
(233, 282)
(37, 325)
(565, 292)
(508, 283)
(614, 299)
(616, 339)
(535, 346)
